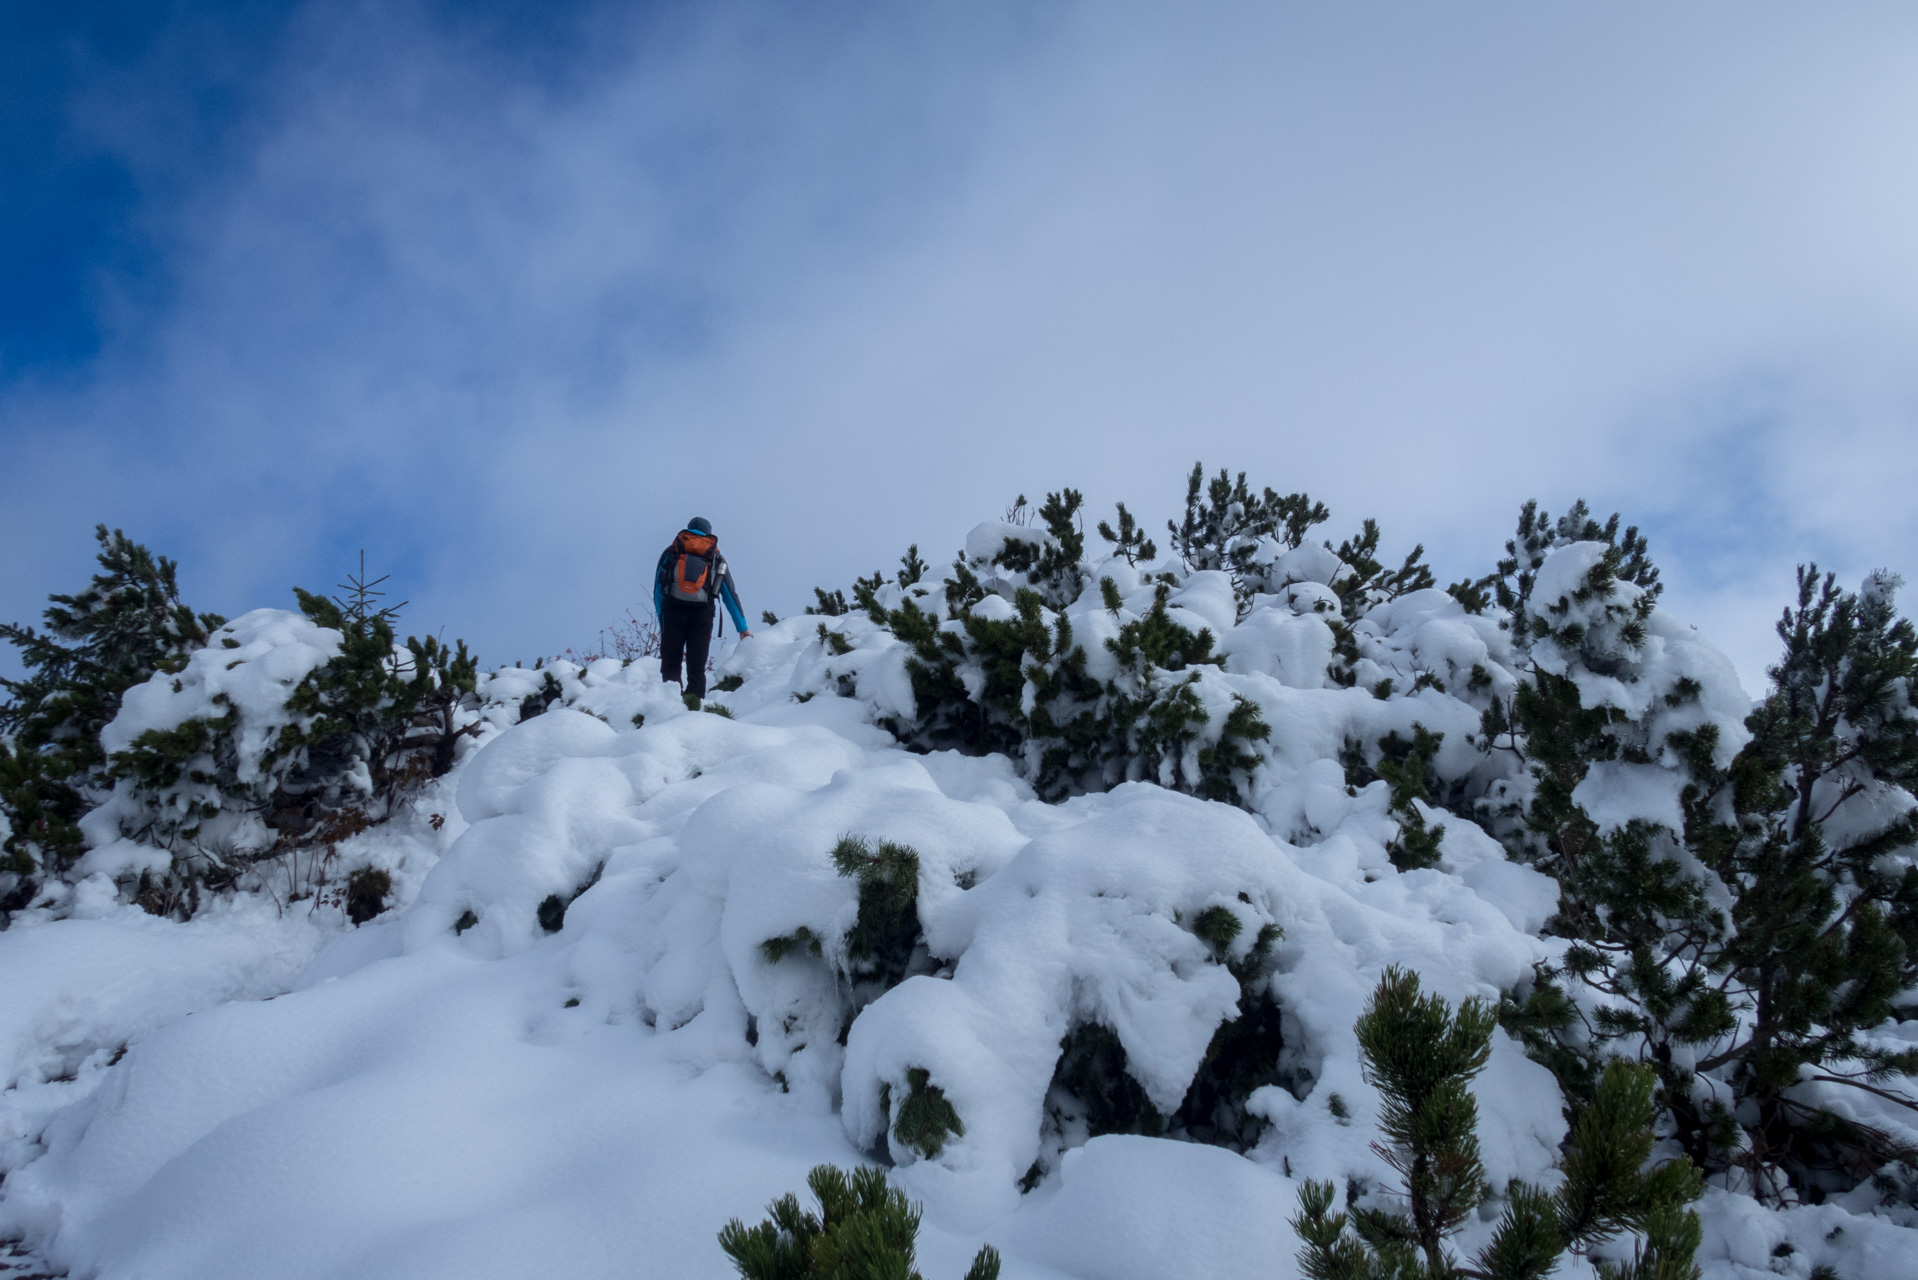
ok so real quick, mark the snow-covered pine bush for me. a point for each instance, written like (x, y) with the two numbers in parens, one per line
(283, 731)
(865, 1229)
(997, 663)
(883, 943)
(1228, 527)
(1092, 672)
(127, 624)
(1823, 942)
(1422, 1055)
(1779, 1068)
(1094, 1092)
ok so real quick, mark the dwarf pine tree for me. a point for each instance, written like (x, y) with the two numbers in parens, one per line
(1093, 1091)
(1422, 1056)
(1822, 860)
(1225, 522)
(865, 1229)
(1578, 597)
(1406, 767)
(998, 665)
(1017, 680)
(377, 720)
(1365, 582)
(1749, 945)
(886, 942)
(127, 624)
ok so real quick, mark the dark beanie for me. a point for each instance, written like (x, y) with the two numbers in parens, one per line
(701, 525)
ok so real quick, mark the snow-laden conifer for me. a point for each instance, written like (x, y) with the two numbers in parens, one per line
(1736, 887)
(127, 624)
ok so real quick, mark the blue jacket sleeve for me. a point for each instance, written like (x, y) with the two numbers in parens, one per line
(659, 587)
(731, 599)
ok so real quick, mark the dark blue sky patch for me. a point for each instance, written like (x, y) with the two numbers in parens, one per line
(74, 211)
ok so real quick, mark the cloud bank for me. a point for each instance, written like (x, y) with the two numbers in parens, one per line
(851, 277)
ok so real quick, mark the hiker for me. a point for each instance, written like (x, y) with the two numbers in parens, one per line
(691, 575)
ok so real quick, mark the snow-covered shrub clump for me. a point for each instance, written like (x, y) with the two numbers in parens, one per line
(176, 753)
(283, 732)
(1724, 875)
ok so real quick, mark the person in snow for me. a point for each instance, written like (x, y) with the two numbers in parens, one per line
(692, 575)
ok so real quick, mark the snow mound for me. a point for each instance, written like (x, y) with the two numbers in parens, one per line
(439, 1066)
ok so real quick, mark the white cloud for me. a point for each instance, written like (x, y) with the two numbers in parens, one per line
(853, 283)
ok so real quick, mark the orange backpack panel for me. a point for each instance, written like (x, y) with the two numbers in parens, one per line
(693, 568)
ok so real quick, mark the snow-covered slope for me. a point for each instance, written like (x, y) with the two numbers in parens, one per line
(456, 1090)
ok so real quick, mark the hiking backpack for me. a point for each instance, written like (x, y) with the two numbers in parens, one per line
(691, 574)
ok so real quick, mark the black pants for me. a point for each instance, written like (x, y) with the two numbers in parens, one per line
(685, 633)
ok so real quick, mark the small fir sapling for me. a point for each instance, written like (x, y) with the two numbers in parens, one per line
(1422, 1055)
(865, 1229)
(394, 710)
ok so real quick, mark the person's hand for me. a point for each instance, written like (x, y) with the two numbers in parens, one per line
(745, 635)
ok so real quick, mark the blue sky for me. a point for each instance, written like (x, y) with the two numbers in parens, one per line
(503, 293)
